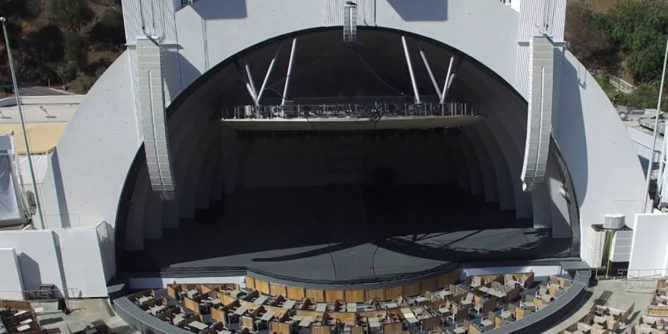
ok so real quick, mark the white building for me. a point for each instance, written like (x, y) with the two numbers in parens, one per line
(147, 149)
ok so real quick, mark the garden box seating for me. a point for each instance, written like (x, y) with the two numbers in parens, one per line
(651, 325)
(142, 297)
(504, 318)
(483, 305)
(19, 317)
(475, 282)
(155, 306)
(602, 320)
(523, 280)
(427, 319)
(659, 305)
(254, 311)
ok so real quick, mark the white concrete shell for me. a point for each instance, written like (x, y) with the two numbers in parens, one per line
(94, 160)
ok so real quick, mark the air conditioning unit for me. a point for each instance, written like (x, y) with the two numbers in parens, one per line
(614, 221)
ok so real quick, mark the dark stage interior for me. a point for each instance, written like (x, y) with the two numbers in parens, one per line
(331, 234)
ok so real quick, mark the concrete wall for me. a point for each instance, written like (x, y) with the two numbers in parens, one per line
(141, 283)
(38, 257)
(71, 259)
(88, 170)
(649, 249)
(596, 148)
(82, 262)
(11, 284)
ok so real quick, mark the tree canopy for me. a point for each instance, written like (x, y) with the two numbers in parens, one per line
(71, 13)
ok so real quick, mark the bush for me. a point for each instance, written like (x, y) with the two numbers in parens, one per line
(645, 96)
(71, 13)
(82, 84)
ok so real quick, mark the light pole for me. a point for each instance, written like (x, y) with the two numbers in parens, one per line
(23, 124)
(656, 132)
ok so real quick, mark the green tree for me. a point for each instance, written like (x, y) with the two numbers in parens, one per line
(72, 13)
(38, 53)
(587, 40)
(646, 54)
(76, 50)
(630, 15)
(110, 29)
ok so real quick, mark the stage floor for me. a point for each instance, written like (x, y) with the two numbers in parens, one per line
(345, 236)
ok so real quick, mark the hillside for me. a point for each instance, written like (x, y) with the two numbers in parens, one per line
(62, 43)
(624, 39)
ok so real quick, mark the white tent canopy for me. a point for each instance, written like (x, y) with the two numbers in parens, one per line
(12, 204)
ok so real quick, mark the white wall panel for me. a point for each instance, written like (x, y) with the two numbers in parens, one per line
(150, 17)
(650, 246)
(82, 262)
(134, 231)
(333, 11)
(98, 148)
(11, 284)
(461, 171)
(486, 166)
(558, 206)
(38, 257)
(472, 165)
(591, 136)
(153, 216)
(504, 180)
(105, 236)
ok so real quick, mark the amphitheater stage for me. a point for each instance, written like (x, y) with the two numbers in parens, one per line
(344, 236)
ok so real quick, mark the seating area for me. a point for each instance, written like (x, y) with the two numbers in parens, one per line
(659, 305)
(602, 320)
(443, 305)
(18, 317)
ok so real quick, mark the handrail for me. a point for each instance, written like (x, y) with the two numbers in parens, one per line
(371, 111)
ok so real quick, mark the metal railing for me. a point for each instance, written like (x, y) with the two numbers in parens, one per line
(49, 293)
(622, 85)
(643, 280)
(350, 111)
